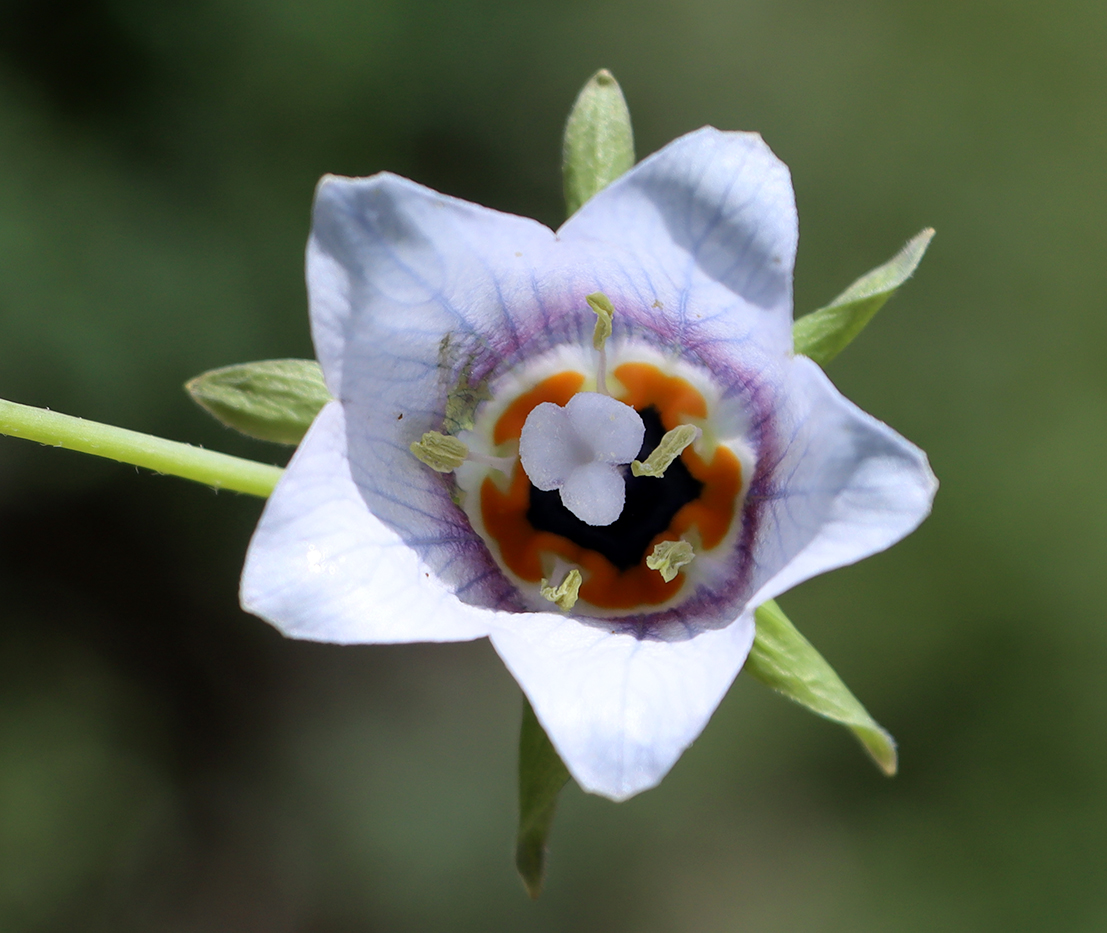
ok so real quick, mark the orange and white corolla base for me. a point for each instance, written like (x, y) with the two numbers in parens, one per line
(698, 500)
(480, 473)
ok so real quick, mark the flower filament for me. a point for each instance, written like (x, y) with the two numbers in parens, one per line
(605, 312)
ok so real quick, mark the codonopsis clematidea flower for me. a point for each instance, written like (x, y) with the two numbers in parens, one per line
(679, 465)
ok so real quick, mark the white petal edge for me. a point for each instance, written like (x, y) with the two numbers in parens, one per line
(321, 567)
(402, 264)
(720, 204)
(620, 711)
(860, 488)
(405, 285)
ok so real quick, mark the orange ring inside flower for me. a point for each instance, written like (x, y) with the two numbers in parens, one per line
(522, 547)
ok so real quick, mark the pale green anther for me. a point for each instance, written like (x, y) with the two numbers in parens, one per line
(672, 446)
(605, 311)
(440, 451)
(565, 595)
(669, 556)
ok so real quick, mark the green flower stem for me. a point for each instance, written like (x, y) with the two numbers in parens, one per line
(221, 471)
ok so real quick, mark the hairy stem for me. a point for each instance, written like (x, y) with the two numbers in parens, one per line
(221, 471)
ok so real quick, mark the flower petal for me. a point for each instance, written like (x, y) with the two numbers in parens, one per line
(714, 217)
(393, 267)
(320, 566)
(620, 710)
(845, 486)
(407, 288)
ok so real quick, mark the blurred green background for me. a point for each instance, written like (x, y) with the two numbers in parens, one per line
(168, 763)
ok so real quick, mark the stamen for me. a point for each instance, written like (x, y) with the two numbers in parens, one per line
(698, 499)
(672, 446)
(669, 556)
(440, 452)
(605, 311)
(503, 464)
(565, 594)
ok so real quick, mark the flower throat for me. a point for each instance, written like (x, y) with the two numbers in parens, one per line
(532, 531)
(650, 507)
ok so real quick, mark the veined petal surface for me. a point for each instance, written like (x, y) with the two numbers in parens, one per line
(722, 204)
(619, 709)
(394, 262)
(413, 295)
(321, 566)
(839, 487)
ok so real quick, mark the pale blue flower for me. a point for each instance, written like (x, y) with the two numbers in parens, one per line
(427, 310)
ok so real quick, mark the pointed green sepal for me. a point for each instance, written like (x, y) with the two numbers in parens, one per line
(599, 142)
(272, 400)
(823, 334)
(541, 777)
(783, 659)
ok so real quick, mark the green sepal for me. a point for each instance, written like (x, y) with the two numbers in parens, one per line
(783, 659)
(823, 334)
(272, 400)
(599, 142)
(542, 774)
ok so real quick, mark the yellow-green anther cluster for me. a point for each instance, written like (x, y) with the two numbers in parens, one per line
(669, 556)
(672, 446)
(440, 451)
(565, 595)
(605, 310)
